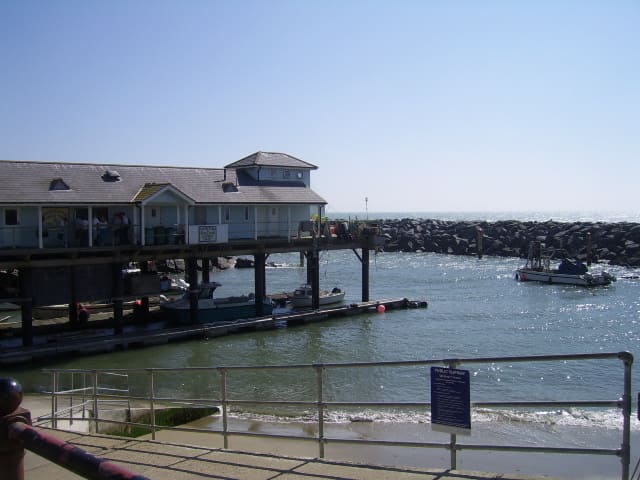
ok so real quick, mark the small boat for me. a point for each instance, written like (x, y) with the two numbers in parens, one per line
(49, 312)
(538, 269)
(303, 296)
(9, 307)
(282, 306)
(212, 309)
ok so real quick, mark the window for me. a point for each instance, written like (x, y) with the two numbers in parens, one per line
(58, 184)
(111, 176)
(246, 214)
(286, 174)
(11, 216)
(226, 214)
(299, 174)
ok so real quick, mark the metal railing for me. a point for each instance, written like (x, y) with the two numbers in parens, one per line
(74, 235)
(149, 392)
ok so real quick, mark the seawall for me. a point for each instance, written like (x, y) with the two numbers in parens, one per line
(613, 243)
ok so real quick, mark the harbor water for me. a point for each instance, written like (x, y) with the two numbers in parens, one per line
(476, 309)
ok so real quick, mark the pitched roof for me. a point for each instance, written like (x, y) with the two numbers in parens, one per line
(271, 159)
(29, 183)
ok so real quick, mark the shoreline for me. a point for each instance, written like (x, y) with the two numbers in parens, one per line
(566, 466)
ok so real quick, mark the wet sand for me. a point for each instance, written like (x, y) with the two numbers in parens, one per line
(589, 467)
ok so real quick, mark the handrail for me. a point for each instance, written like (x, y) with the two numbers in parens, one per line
(68, 456)
(322, 405)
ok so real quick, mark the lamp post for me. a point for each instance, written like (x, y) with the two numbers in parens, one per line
(366, 206)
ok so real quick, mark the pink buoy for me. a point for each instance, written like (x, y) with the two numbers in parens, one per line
(381, 308)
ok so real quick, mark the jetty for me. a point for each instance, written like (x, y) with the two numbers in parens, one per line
(95, 338)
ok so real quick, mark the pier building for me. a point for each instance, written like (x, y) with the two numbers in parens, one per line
(68, 231)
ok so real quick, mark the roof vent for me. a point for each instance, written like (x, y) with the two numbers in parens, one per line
(111, 176)
(58, 184)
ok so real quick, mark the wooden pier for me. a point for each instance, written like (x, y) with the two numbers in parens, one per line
(94, 341)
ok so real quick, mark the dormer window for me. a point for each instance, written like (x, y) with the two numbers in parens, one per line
(228, 187)
(58, 184)
(111, 176)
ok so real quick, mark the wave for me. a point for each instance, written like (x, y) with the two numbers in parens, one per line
(610, 419)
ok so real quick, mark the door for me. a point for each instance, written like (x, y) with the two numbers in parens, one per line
(274, 221)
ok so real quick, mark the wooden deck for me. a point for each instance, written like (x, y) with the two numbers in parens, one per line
(96, 337)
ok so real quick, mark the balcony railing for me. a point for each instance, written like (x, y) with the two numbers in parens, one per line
(78, 235)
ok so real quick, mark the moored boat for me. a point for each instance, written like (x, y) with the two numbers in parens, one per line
(303, 296)
(569, 272)
(212, 309)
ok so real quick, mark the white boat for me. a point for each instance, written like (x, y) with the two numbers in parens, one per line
(303, 296)
(538, 269)
(212, 309)
(9, 307)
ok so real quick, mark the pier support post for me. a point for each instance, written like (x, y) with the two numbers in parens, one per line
(313, 276)
(365, 274)
(26, 290)
(73, 291)
(118, 291)
(206, 269)
(260, 280)
(588, 249)
(194, 288)
(309, 255)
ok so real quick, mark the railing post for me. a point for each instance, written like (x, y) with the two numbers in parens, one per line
(453, 438)
(73, 376)
(625, 457)
(11, 451)
(319, 374)
(152, 404)
(95, 400)
(54, 398)
(223, 397)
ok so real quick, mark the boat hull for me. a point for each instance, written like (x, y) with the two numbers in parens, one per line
(325, 299)
(584, 280)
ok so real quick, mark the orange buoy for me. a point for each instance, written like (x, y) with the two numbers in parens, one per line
(380, 308)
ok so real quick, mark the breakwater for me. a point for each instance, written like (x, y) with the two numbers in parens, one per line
(614, 243)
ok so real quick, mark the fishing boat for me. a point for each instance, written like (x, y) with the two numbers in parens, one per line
(212, 309)
(303, 296)
(570, 272)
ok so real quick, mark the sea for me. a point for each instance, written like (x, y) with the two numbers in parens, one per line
(476, 309)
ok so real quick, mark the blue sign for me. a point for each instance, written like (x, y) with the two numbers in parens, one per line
(450, 397)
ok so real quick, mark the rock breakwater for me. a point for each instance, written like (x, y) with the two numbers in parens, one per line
(614, 243)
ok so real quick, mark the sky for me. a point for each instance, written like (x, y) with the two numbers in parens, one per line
(425, 105)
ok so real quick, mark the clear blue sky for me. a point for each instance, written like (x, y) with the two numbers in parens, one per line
(418, 105)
